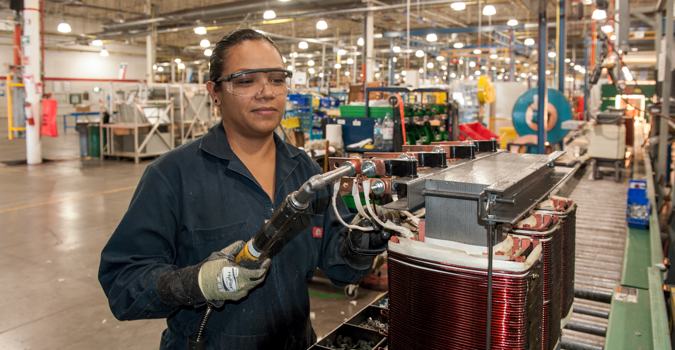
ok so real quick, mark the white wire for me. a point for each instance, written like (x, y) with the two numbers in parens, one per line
(357, 200)
(414, 219)
(366, 193)
(388, 224)
(336, 189)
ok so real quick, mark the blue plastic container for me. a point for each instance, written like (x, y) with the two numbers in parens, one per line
(638, 207)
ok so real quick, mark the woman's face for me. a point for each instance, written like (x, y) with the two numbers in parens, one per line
(250, 116)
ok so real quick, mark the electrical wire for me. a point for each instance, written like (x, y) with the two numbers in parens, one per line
(357, 200)
(401, 112)
(336, 189)
(405, 232)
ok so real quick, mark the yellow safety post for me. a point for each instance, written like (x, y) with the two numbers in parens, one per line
(10, 110)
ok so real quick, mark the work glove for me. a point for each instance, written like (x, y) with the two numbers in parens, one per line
(359, 248)
(220, 278)
(216, 279)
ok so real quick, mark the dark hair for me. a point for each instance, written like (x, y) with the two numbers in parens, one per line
(229, 41)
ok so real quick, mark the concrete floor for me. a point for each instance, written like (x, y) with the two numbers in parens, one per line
(54, 220)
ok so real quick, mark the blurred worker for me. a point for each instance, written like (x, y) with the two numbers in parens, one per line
(195, 206)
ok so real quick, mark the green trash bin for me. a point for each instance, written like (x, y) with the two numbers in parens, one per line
(94, 136)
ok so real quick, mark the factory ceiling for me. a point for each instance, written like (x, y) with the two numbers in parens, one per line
(174, 21)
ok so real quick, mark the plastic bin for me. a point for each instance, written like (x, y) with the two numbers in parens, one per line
(359, 111)
(476, 131)
(83, 132)
(638, 208)
(94, 139)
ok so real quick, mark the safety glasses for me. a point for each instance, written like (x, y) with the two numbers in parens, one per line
(251, 82)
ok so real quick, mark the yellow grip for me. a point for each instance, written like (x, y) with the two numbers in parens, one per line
(245, 256)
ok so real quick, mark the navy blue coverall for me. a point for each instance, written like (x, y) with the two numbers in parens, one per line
(198, 199)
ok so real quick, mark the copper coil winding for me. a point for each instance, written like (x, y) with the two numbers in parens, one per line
(435, 306)
(551, 277)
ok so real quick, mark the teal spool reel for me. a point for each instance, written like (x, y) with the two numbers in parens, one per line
(558, 111)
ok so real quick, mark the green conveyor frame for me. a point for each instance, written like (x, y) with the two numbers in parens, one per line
(641, 323)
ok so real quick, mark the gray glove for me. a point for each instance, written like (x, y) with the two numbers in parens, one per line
(220, 278)
(216, 280)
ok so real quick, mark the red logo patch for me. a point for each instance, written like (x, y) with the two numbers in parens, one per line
(317, 232)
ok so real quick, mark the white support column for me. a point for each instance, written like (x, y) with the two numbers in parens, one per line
(174, 68)
(149, 58)
(370, 53)
(32, 79)
(354, 79)
(150, 46)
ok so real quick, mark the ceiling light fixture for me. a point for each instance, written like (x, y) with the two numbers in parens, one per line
(269, 14)
(64, 27)
(607, 28)
(458, 45)
(201, 30)
(489, 10)
(321, 25)
(208, 52)
(512, 22)
(458, 6)
(419, 53)
(310, 63)
(204, 43)
(303, 45)
(432, 37)
(97, 42)
(477, 51)
(396, 49)
(360, 42)
(529, 42)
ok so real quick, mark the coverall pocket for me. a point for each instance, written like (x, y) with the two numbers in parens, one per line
(209, 240)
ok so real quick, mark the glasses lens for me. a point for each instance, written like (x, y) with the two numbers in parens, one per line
(251, 84)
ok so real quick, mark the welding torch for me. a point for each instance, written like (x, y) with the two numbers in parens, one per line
(291, 217)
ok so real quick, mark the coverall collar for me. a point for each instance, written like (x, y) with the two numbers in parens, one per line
(215, 143)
